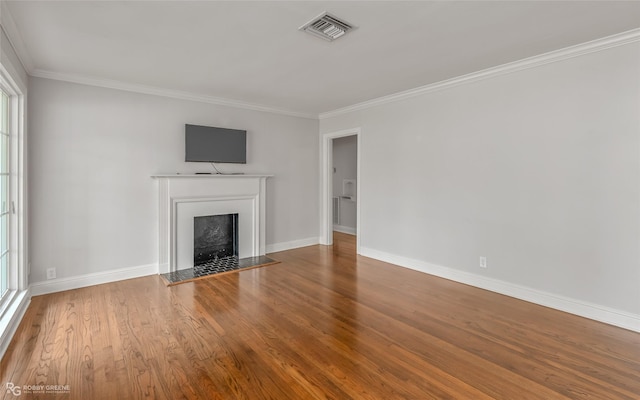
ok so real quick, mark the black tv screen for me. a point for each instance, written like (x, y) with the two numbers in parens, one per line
(209, 144)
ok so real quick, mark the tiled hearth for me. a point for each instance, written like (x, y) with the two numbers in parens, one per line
(214, 267)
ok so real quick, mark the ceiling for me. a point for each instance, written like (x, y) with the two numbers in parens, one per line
(252, 52)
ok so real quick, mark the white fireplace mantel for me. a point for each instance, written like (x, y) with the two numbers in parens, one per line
(182, 196)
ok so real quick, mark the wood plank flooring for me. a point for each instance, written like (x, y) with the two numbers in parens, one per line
(323, 324)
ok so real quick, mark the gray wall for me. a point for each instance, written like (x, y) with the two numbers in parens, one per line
(345, 162)
(538, 170)
(93, 203)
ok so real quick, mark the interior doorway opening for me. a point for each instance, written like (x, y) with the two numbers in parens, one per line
(341, 185)
(344, 184)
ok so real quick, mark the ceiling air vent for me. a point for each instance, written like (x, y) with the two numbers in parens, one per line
(327, 27)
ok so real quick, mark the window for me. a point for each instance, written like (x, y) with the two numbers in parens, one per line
(5, 195)
(13, 272)
(14, 295)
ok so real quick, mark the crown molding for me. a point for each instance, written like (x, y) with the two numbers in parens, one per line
(527, 63)
(157, 91)
(8, 25)
(13, 34)
(10, 28)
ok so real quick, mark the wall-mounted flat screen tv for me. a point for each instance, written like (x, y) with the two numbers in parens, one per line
(220, 145)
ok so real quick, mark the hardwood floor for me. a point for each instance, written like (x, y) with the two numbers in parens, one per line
(321, 324)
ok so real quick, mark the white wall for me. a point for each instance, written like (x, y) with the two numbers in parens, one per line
(345, 163)
(93, 150)
(538, 170)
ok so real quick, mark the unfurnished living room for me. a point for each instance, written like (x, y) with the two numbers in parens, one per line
(319, 199)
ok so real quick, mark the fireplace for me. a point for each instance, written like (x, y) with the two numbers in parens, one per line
(183, 198)
(215, 237)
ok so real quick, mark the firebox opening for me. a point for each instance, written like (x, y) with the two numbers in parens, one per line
(215, 237)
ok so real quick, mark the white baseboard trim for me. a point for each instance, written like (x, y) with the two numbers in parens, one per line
(344, 229)
(581, 308)
(97, 278)
(294, 244)
(13, 316)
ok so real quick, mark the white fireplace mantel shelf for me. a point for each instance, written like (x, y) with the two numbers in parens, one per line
(172, 176)
(184, 196)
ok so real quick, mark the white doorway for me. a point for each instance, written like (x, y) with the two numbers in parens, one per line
(349, 190)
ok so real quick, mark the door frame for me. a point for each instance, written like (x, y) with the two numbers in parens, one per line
(326, 159)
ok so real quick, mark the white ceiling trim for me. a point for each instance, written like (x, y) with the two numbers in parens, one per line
(13, 34)
(10, 28)
(531, 62)
(157, 91)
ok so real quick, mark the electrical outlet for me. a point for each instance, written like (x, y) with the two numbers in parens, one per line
(51, 273)
(483, 262)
